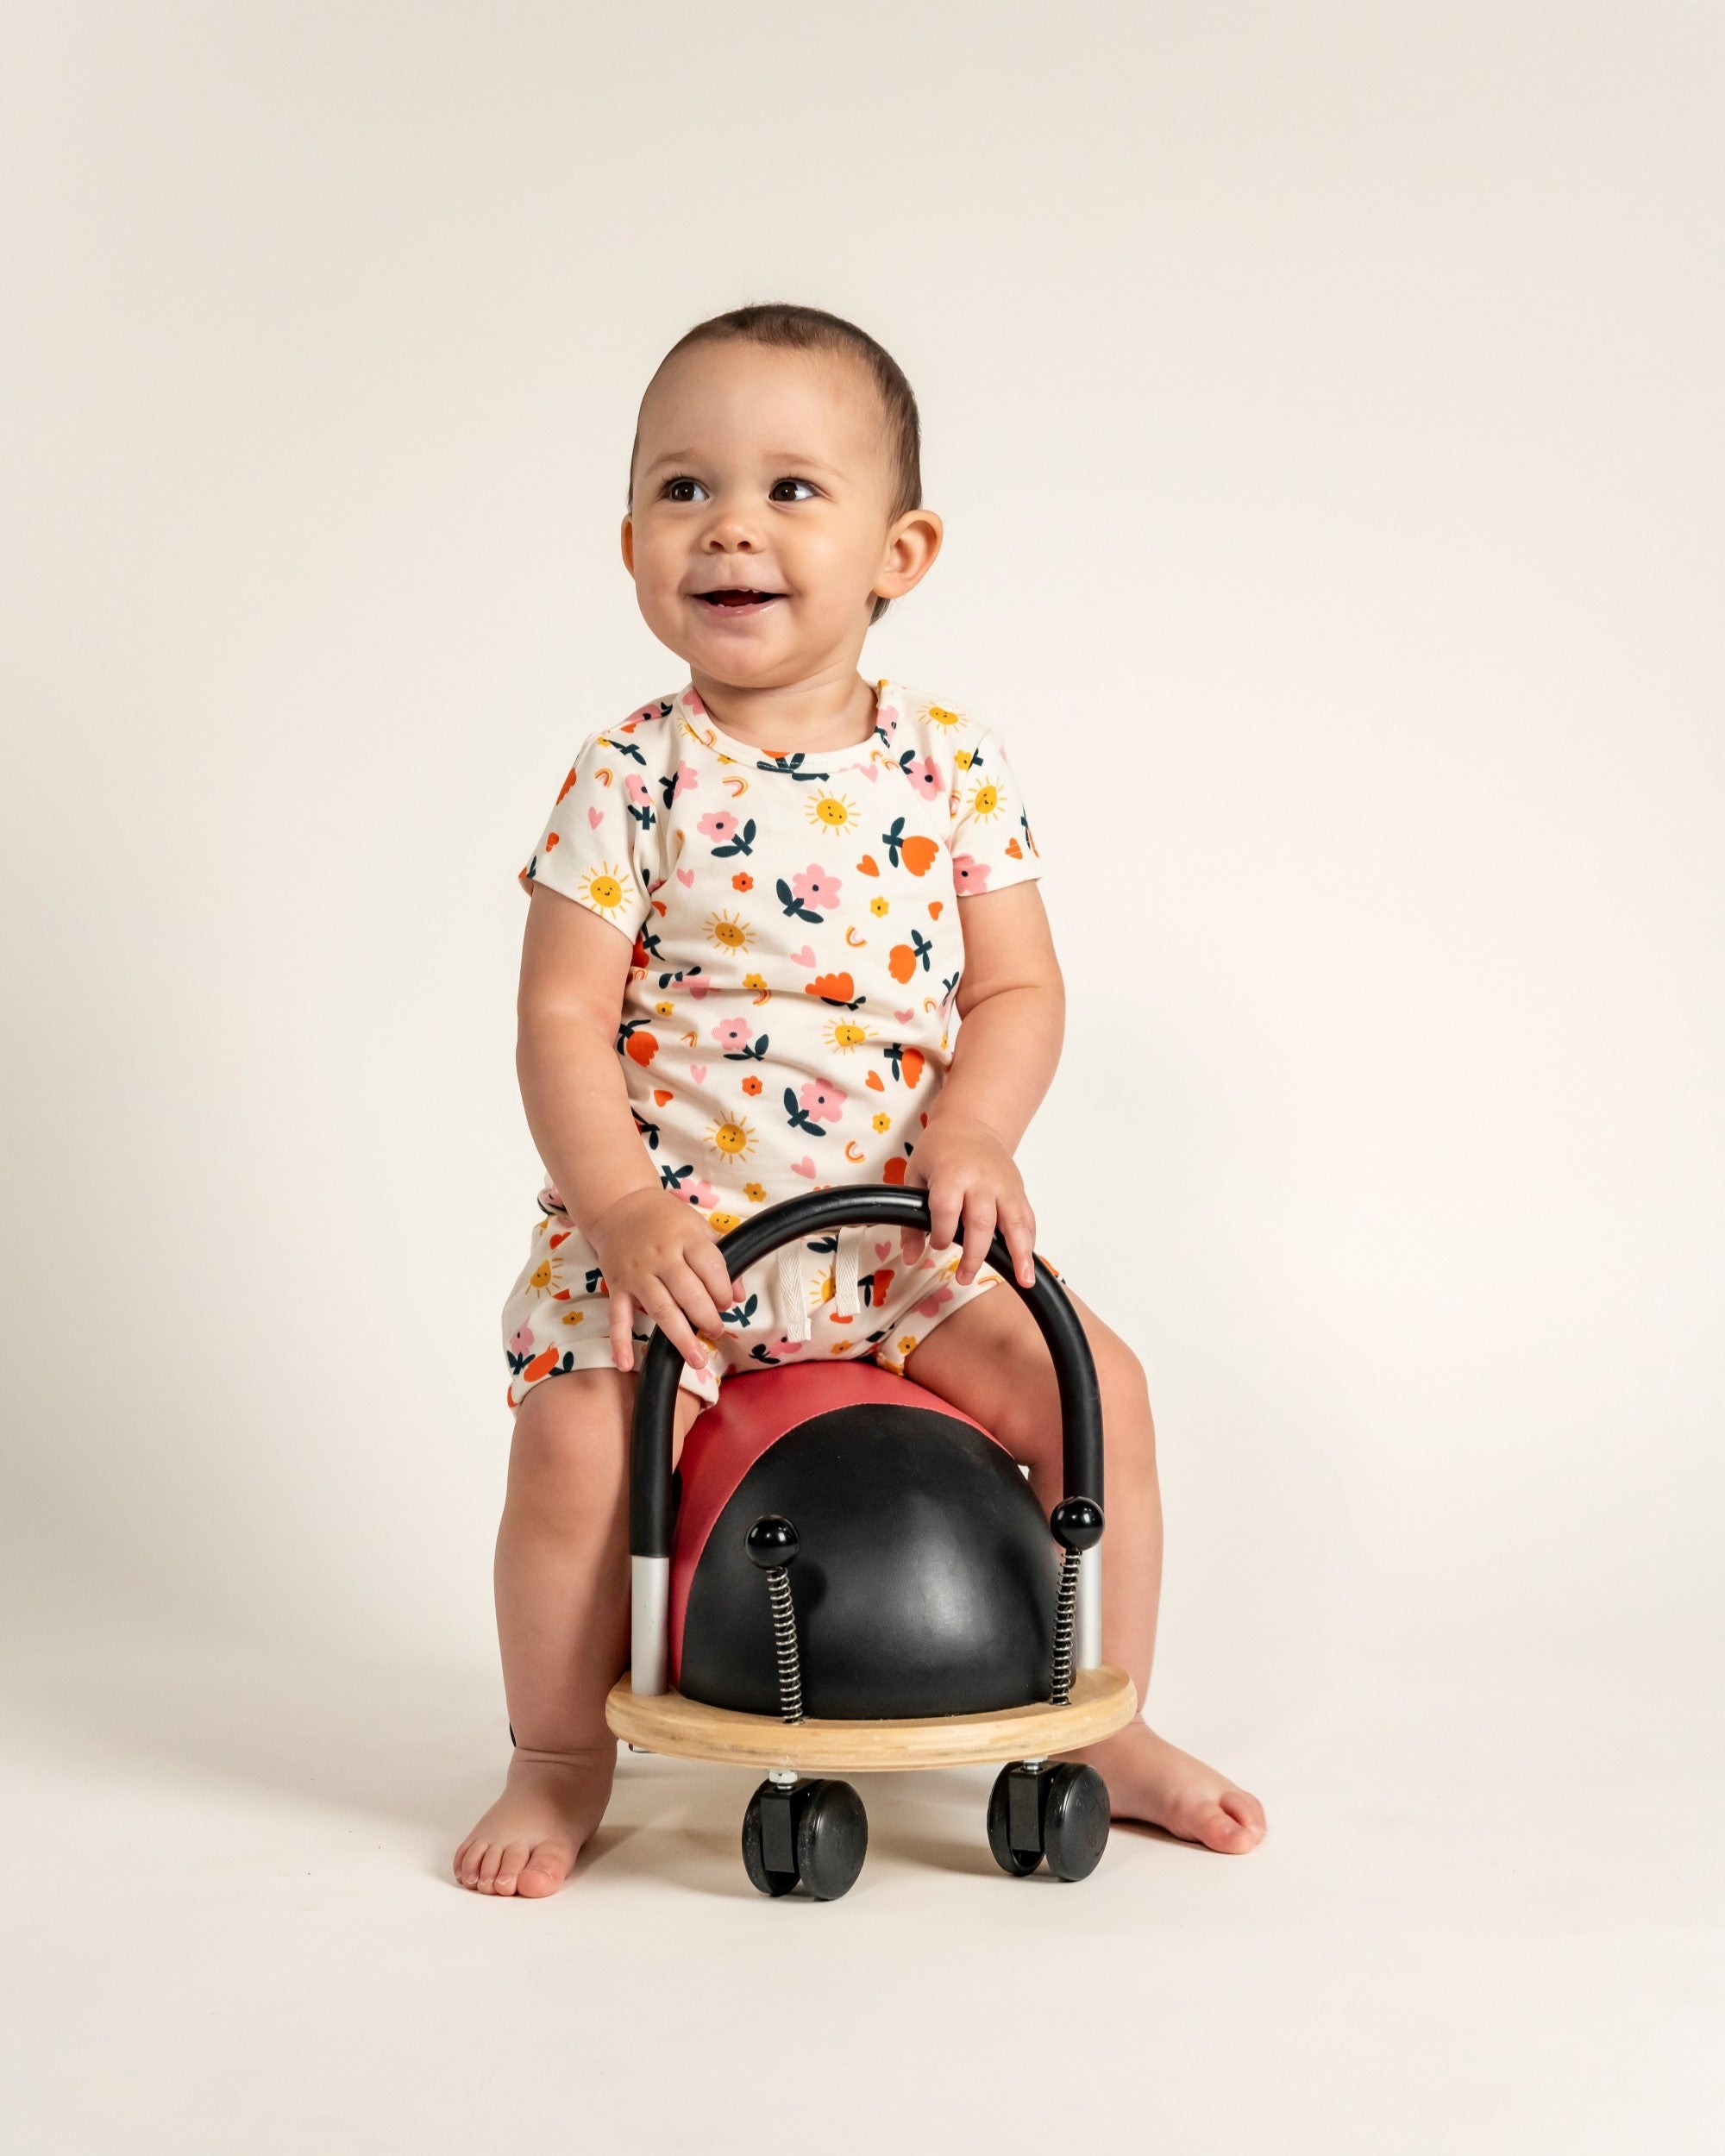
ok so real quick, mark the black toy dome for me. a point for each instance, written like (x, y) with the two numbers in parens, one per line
(925, 1579)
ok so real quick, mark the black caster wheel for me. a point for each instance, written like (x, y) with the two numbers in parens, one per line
(815, 1833)
(832, 1839)
(1075, 1820)
(1018, 1859)
(1060, 1813)
(761, 1829)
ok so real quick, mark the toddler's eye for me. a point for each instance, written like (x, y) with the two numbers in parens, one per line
(790, 491)
(682, 489)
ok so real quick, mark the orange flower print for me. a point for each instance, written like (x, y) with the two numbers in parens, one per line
(742, 880)
(751, 1084)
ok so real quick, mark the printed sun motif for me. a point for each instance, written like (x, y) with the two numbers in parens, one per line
(985, 800)
(937, 717)
(832, 813)
(727, 932)
(603, 888)
(735, 1138)
(844, 1035)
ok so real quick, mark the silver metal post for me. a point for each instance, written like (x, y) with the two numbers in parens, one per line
(650, 1610)
(1088, 1654)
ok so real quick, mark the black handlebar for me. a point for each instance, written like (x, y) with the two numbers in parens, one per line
(858, 1205)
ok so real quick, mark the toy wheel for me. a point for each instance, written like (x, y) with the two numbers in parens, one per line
(763, 1880)
(1020, 1863)
(832, 1839)
(1075, 1826)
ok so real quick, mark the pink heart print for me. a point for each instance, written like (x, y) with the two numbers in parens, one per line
(697, 988)
(883, 1251)
(904, 1016)
(804, 957)
(804, 1167)
(595, 817)
(685, 877)
(698, 1072)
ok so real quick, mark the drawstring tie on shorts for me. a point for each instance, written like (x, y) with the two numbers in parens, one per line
(796, 1309)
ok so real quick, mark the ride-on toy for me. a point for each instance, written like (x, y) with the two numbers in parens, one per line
(857, 1578)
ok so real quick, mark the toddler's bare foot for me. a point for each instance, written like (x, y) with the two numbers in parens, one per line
(1150, 1779)
(530, 1838)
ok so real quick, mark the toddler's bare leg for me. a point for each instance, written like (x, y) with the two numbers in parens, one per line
(989, 1359)
(562, 1622)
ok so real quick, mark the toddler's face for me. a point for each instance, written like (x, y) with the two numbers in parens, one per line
(759, 535)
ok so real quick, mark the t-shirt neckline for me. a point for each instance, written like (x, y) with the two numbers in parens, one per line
(756, 758)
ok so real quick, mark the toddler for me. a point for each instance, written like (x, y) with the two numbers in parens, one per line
(784, 931)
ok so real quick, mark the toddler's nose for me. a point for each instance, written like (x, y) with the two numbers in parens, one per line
(731, 532)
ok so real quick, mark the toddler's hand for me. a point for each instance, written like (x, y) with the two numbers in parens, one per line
(660, 1256)
(974, 1186)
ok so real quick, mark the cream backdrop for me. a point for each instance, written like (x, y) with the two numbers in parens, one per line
(1326, 404)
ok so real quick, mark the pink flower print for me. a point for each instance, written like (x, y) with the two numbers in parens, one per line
(521, 1342)
(717, 824)
(702, 1196)
(930, 1305)
(688, 779)
(734, 1035)
(815, 887)
(925, 776)
(639, 791)
(781, 1349)
(969, 876)
(825, 1103)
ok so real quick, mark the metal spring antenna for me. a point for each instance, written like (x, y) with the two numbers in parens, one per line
(785, 1643)
(771, 1544)
(1065, 1628)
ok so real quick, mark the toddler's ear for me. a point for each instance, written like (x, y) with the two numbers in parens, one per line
(628, 538)
(911, 544)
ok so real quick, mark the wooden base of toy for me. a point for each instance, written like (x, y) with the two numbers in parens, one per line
(1103, 1701)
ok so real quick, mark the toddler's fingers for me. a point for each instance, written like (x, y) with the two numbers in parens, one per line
(979, 1233)
(912, 1241)
(1018, 1225)
(692, 1299)
(944, 1207)
(703, 1261)
(655, 1301)
(621, 1327)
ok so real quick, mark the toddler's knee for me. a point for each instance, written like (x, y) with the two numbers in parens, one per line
(571, 1436)
(1126, 1396)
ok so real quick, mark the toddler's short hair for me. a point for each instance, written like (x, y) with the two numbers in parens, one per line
(776, 323)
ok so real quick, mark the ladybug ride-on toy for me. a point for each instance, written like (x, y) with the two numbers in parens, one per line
(857, 1578)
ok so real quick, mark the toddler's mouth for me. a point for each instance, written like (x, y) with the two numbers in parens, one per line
(737, 602)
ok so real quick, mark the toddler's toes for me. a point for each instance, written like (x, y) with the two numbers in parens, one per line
(510, 1867)
(1233, 1824)
(490, 1864)
(467, 1866)
(546, 1870)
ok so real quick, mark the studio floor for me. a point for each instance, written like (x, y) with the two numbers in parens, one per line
(231, 1928)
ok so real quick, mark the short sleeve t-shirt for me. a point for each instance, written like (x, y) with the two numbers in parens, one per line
(788, 1015)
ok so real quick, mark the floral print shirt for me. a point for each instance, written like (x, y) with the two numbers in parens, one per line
(788, 1016)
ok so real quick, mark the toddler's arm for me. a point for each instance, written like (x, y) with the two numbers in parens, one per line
(1012, 1005)
(656, 1250)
